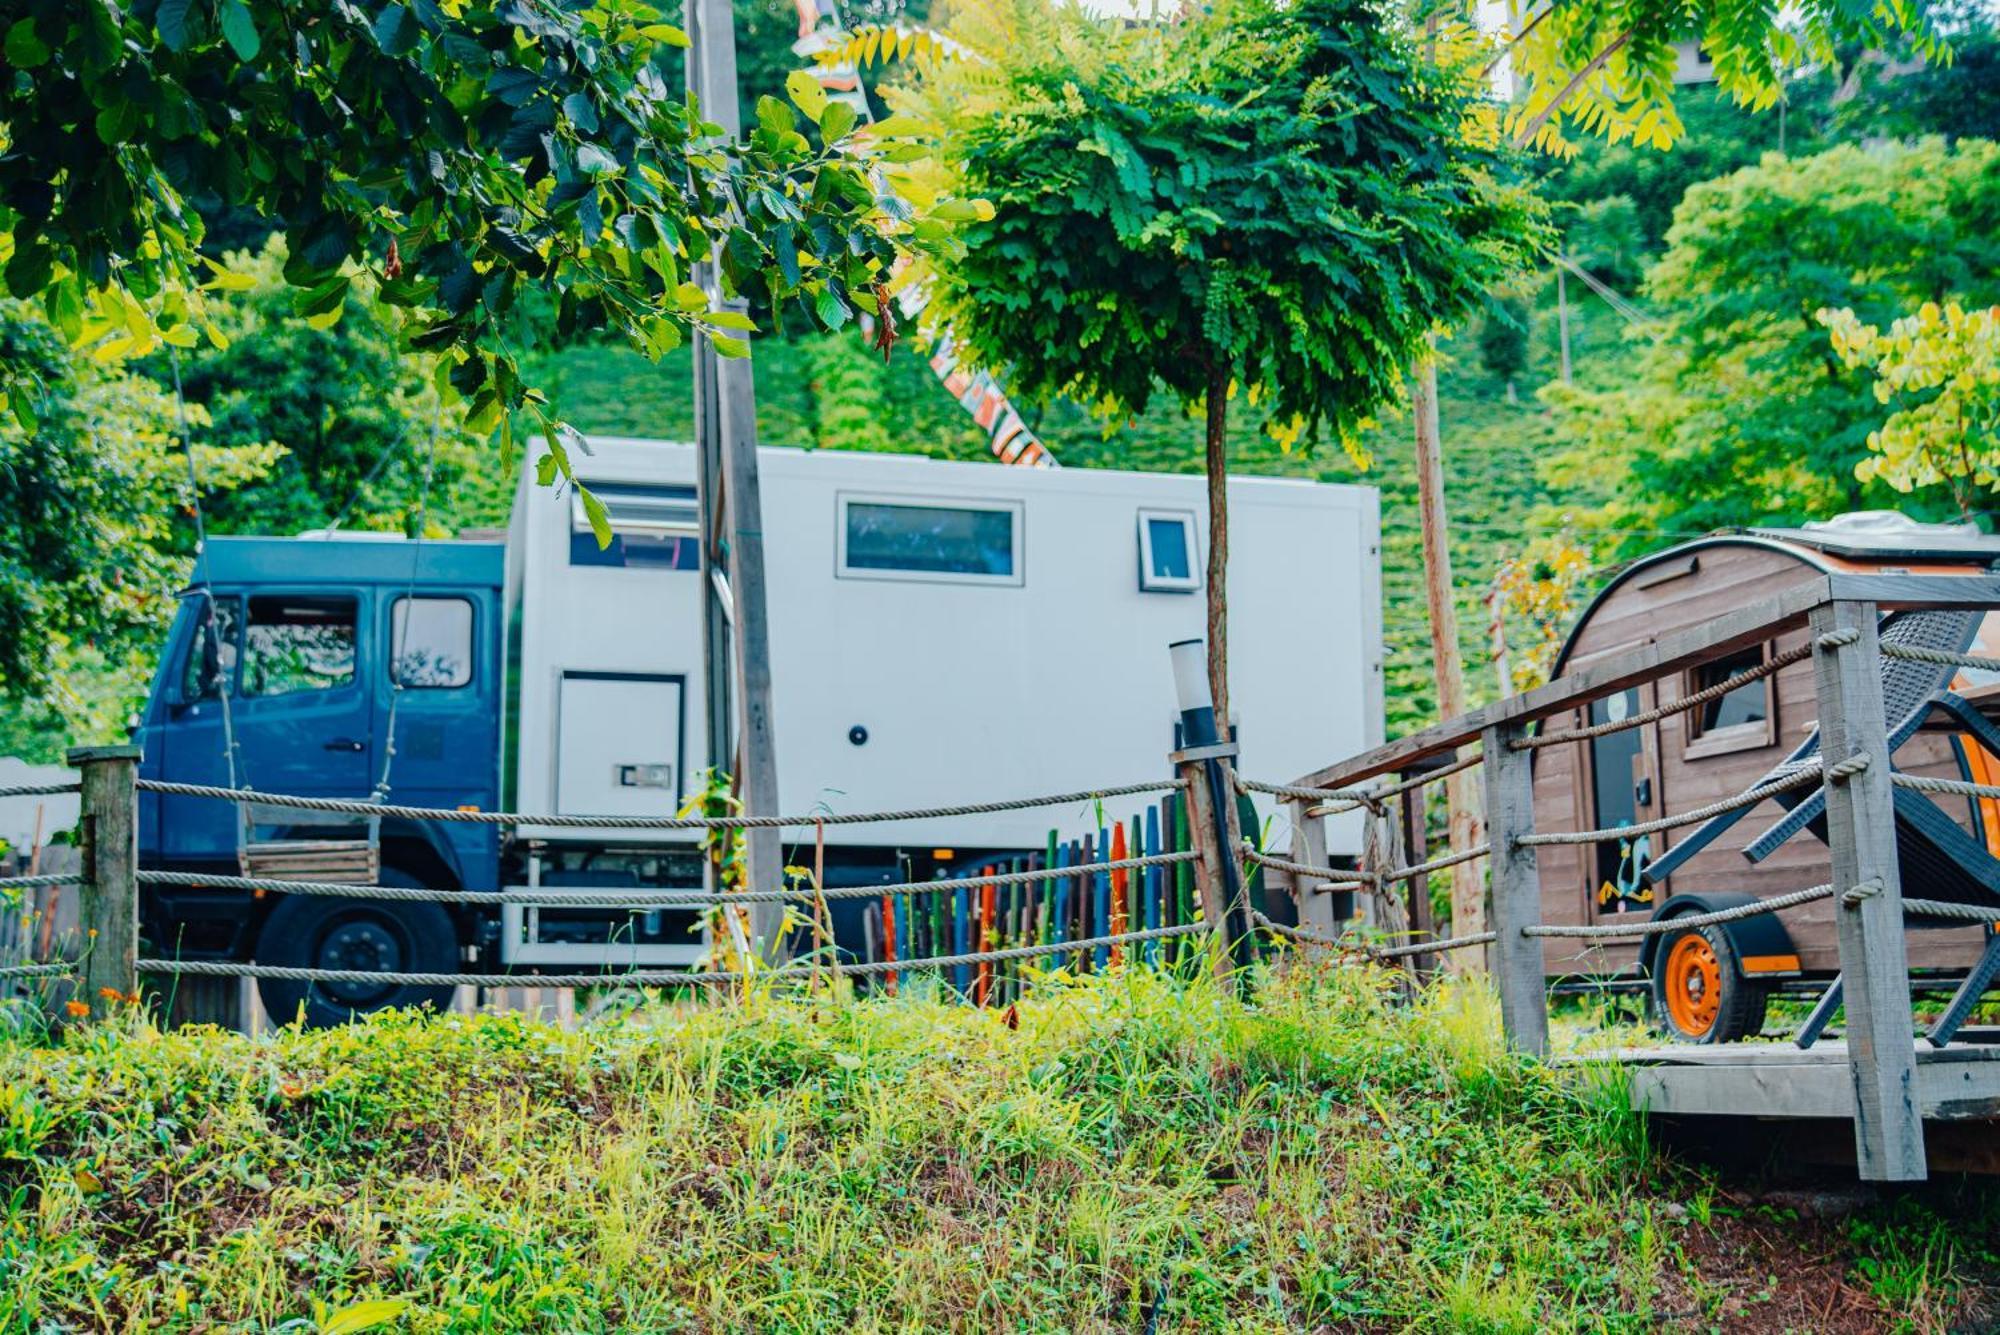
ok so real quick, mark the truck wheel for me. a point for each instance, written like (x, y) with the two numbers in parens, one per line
(380, 936)
(1699, 992)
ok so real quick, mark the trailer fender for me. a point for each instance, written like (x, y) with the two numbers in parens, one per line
(1763, 946)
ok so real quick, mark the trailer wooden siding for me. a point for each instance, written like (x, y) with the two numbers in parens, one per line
(1672, 591)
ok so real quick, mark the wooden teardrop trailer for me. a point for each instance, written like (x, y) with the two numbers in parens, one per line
(1711, 986)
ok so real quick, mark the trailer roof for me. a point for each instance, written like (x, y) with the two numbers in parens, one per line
(1874, 535)
(350, 560)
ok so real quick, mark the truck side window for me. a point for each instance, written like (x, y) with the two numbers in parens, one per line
(211, 657)
(297, 642)
(432, 640)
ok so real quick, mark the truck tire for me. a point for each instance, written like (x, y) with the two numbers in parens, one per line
(1699, 992)
(386, 936)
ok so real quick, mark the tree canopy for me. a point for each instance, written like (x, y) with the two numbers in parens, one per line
(1736, 407)
(448, 151)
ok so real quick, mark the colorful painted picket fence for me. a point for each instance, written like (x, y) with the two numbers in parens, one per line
(1086, 901)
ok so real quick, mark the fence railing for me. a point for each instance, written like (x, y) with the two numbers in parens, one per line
(1841, 616)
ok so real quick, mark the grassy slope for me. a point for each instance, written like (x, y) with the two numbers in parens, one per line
(1132, 1148)
(809, 393)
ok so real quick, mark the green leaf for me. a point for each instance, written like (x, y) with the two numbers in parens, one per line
(395, 31)
(664, 32)
(24, 49)
(172, 19)
(239, 28)
(690, 297)
(836, 121)
(593, 160)
(805, 92)
(775, 116)
(593, 510)
(732, 348)
(732, 320)
(356, 1317)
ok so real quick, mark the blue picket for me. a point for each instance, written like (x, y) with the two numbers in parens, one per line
(961, 924)
(1101, 910)
(1059, 929)
(1154, 876)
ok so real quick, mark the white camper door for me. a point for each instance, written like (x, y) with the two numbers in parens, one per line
(618, 744)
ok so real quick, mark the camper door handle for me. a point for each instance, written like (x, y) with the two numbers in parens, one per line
(346, 744)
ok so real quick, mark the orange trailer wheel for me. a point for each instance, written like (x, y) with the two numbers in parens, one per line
(1699, 992)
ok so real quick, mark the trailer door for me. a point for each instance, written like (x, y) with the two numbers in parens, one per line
(618, 744)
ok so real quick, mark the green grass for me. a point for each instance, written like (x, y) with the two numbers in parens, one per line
(1135, 1150)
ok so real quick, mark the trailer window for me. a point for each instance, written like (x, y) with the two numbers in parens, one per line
(961, 542)
(210, 668)
(1738, 720)
(652, 528)
(296, 643)
(1166, 552)
(433, 643)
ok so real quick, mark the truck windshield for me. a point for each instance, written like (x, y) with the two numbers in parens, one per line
(298, 643)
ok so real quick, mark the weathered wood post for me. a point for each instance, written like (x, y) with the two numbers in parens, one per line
(1868, 893)
(1516, 889)
(108, 830)
(1416, 848)
(1322, 908)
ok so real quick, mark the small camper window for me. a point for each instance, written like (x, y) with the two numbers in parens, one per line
(1738, 720)
(972, 542)
(1166, 552)
(652, 528)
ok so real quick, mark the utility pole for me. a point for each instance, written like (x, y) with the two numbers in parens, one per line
(1468, 891)
(1562, 310)
(735, 616)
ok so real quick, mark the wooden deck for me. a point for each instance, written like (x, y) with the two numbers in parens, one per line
(1960, 1083)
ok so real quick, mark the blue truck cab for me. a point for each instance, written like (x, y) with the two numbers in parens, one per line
(339, 667)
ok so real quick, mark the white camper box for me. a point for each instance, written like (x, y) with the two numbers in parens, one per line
(940, 632)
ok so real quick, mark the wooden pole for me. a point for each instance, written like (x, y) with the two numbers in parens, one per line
(1318, 904)
(727, 402)
(1562, 315)
(1868, 897)
(1211, 878)
(1517, 891)
(108, 826)
(1416, 846)
(1468, 899)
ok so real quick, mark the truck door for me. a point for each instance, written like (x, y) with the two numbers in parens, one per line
(301, 720)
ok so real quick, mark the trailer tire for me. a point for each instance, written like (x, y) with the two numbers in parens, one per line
(1699, 992)
(387, 936)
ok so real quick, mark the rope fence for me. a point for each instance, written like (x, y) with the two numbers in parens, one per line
(1436, 864)
(1777, 662)
(37, 882)
(613, 898)
(55, 969)
(1335, 875)
(1919, 654)
(1749, 797)
(1949, 787)
(1369, 948)
(1682, 922)
(805, 969)
(42, 789)
(353, 807)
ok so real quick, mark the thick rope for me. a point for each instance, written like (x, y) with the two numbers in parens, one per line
(35, 882)
(1939, 908)
(1922, 655)
(613, 898)
(1370, 950)
(1749, 797)
(1376, 796)
(1334, 874)
(1348, 798)
(36, 970)
(1435, 864)
(651, 978)
(1662, 926)
(349, 806)
(41, 789)
(1831, 640)
(1953, 787)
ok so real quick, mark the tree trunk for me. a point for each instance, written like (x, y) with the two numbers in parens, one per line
(1468, 892)
(1218, 544)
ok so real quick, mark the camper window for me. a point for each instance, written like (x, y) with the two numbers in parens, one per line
(298, 643)
(652, 528)
(433, 643)
(1740, 720)
(1166, 552)
(972, 542)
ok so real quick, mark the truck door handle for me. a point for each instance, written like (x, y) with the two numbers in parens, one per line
(346, 744)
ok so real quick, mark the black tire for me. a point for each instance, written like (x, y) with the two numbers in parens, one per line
(1688, 964)
(389, 936)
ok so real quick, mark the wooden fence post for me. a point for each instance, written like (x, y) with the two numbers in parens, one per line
(1516, 890)
(1416, 848)
(108, 829)
(1318, 904)
(1211, 870)
(1868, 896)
